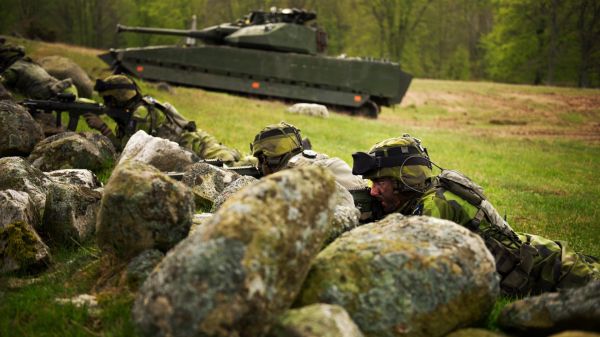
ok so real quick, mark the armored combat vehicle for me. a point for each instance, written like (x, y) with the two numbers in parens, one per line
(273, 54)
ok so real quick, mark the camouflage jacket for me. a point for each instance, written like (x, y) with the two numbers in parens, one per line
(531, 264)
(31, 80)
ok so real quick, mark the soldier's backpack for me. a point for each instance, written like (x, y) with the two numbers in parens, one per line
(514, 259)
(175, 125)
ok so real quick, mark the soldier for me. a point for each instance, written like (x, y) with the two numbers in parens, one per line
(157, 119)
(403, 181)
(21, 75)
(279, 146)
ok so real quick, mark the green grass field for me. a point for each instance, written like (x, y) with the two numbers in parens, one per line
(534, 150)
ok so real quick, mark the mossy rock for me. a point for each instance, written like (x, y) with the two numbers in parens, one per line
(242, 268)
(416, 276)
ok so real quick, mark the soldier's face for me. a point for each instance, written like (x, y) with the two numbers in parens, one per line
(383, 190)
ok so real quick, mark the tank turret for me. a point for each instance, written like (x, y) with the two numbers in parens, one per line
(270, 54)
(283, 31)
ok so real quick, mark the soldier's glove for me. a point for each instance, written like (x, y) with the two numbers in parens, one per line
(97, 124)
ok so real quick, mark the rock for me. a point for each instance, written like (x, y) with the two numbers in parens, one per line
(19, 132)
(237, 273)
(207, 182)
(576, 309)
(79, 177)
(70, 150)
(231, 189)
(161, 153)
(18, 206)
(18, 174)
(198, 220)
(345, 215)
(309, 109)
(575, 333)
(416, 276)
(21, 248)
(164, 86)
(63, 68)
(142, 208)
(70, 214)
(316, 320)
(140, 267)
(474, 332)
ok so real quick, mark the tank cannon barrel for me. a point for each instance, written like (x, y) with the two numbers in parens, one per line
(211, 34)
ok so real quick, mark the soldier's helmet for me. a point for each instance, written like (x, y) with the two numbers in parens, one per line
(401, 158)
(276, 144)
(119, 89)
(9, 54)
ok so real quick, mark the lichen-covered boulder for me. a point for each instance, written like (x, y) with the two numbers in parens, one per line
(316, 320)
(21, 248)
(576, 333)
(231, 189)
(79, 177)
(416, 276)
(237, 273)
(70, 214)
(345, 215)
(142, 208)
(62, 68)
(199, 220)
(207, 182)
(19, 132)
(141, 266)
(18, 174)
(161, 153)
(573, 309)
(70, 150)
(309, 109)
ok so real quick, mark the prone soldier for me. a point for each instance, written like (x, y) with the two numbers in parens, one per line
(119, 92)
(403, 181)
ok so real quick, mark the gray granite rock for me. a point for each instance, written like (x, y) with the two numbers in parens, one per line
(416, 276)
(19, 132)
(569, 309)
(242, 269)
(165, 155)
(142, 208)
(21, 248)
(316, 320)
(70, 150)
(18, 174)
(70, 214)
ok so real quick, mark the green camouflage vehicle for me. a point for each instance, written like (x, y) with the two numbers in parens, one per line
(272, 54)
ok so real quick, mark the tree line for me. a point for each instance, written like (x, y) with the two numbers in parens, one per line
(553, 42)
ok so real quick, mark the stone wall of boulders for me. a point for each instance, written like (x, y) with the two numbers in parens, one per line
(219, 254)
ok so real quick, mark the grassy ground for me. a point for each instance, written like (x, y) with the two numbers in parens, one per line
(533, 149)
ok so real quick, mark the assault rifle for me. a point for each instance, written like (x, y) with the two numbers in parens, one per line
(68, 103)
(241, 170)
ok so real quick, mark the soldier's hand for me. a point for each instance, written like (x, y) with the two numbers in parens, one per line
(97, 124)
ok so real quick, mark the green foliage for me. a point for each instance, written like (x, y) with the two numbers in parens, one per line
(531, 41)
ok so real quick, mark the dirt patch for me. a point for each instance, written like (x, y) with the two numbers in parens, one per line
(564, 113)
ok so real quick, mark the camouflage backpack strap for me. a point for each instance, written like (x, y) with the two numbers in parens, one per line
(177, 122)
(468, 190)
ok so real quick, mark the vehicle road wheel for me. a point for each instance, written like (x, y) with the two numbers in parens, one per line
(369, 109)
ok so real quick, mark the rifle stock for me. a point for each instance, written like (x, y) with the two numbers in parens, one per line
(67, 103)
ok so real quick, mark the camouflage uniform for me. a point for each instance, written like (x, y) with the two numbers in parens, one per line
(157, 119)
(527, 263)
(31, 80)
(23, 76)
(281, 145)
